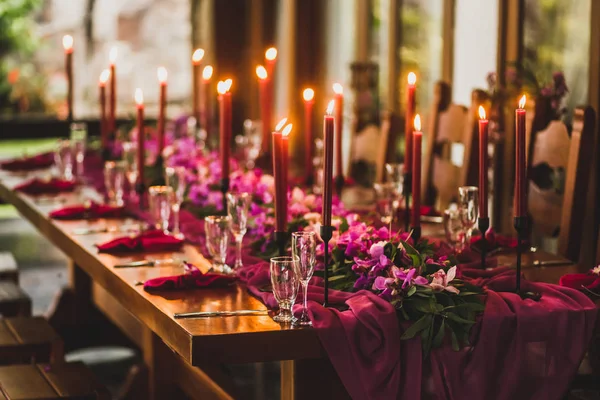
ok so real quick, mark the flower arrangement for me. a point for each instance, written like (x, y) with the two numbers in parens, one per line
(421, 285)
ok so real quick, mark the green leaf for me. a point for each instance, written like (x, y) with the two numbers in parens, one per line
(411, 291)
(454, 339)
(423, 323)
(456, 318)
(439, 337)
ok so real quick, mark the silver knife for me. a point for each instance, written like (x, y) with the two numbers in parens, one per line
(150, 263)
(92, 231)
(206, 314)
(538, 263)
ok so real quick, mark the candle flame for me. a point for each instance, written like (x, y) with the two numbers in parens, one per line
(481, 112)
(161, 72)
(112, 56)
(271, 53)
(207, 72)
(224, 86)
(198, 56)
(412, 78)
(68, 43)
(417, 123)
(522, 102)
(280, 124)
(228, 83)
(261, 72)
(308, 94)
(338, 88)
(104, 76)
(139, 97)
(286, 131)
(330, 107)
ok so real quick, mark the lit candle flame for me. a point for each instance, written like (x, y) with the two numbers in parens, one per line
(112, 56)
(308, 94)
(139, 97)
(280, 124)
(197, 56)
(330, 107)
(286, 131)
(418, 123)
(68, 43)
(481, 112)
(271, 53)
(522, 102)
(224, 86)
(412, 78)
(261, 72)
(104, 76)
(161, 72)
(338, 88)
(207, 72)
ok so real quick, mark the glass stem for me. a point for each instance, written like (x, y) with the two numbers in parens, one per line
(238, 251)
(176, 231)
(305, 305)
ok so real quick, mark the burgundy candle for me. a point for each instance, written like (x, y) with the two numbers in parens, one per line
(103, 123)
(284, 176)
(197, 57)
(162, 105)
(141, 160)
(266, 106)
(328, 124)
(224, 124)
(270, 60)
(278, 174)
(308, 95)
(112, 125)
(205, 106)
(483, 164)
(339, 108)
(520, 161)
(68, 46)
(416, 173)
(408, 120)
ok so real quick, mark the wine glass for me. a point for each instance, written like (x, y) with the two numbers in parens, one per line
(217, 240)
(131, 169)
(160, 206)
(453, 226)
(175, 179)
(114, 177)
(63, 158)
(384, 201)
(468, 205)
(395, 175)
(285, 282)
(237, 208)
(78, 139)
(303, 251)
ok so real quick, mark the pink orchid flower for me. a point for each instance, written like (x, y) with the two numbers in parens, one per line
(442, 279)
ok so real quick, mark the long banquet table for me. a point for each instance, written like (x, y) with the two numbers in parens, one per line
(186, 353)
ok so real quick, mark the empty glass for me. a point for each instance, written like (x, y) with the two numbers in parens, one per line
(237, 208)
(63, 158)
(285, 281)
(384, 200)
(160, 198)
(251, 142)
(217, 240)
(468, 205)
(114, 179)
(130, 158)
(78, 140)
(175, 178)
(395, 175)
(303, 251)
(455, 232)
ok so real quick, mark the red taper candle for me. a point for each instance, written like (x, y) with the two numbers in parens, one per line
(483, 164)
(162, 108)
(339, 109)
(112, 124)
(278, 173)
(409, 116)
(270, 61)
(308, 96)
(520, 161)
(141, 154)
(197, 57)
(266, 105)
(225, 124)
(416, 173)
(205, 104)
(328, 124)
(68, 46)
(285, 161)
(104, 76)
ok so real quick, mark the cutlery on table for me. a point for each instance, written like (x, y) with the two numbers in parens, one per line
(207, 314)
(92, 231)
(538, 263)
(149, 263)
(433, 219)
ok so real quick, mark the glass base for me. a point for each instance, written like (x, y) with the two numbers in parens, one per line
(222, 268)
(285, 316)
(303, 321)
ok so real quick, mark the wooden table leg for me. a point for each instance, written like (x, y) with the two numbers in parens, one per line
(310, 379)
(158, 359)
(71, 306)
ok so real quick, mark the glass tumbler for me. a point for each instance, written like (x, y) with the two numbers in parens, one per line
(160, 199)
(384, 201)
(114, 179)
(175, 178)
(285, 281)
(455, 232)
(217, 240)
(468, 205)
(63, 158)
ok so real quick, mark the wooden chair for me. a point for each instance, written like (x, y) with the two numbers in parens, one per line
(8, 268)
(27, 340)
(559, 175)
(14, 302)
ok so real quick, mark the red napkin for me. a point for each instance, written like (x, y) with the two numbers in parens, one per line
(426, 211)
(54, 186)
(589, 281)
(91, 212)
(39, 161)
(155, 241)
(495, 241)
(194, 279)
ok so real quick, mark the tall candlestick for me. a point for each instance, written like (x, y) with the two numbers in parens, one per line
(408, 119)
(162, 80)
(416, 177)
(205, 108)
(68, 46)
(520, 162)
(141, 154)
(270, 60)
(224, 124)
(103, 123)
(308, 95)
(112, 125)
(197, 57)
(339, 108)
(328, 124)
(266, 106)
(483, 164)
(278, 176)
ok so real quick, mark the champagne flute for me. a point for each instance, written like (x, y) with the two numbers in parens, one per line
(303, 250)
(217, 240)
(395, 175)
(175, 179)
(385, 202)
(468, 205)
(160, 206)
(78, 139)
(130, 158)
(237, 208)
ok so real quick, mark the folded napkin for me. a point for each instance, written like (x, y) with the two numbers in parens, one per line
(590, 281)
(95, 210)
(154, 240)
(39, 161)
(38, 186)
(192, 279)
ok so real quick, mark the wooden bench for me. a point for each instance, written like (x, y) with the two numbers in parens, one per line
(14, 302)
(50, 381)
(27, 340)
(8, 268)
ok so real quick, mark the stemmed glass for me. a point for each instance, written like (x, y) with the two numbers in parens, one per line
(385, 198)
(114, 177)
(285, 282)
(303, 251)
(175, 179)
(63, 158)
(160, 206)
(453, 226)
(217, 240)
(78, 139)
(395, 175)
(468, 205)
(237, 209)
(130, 158)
